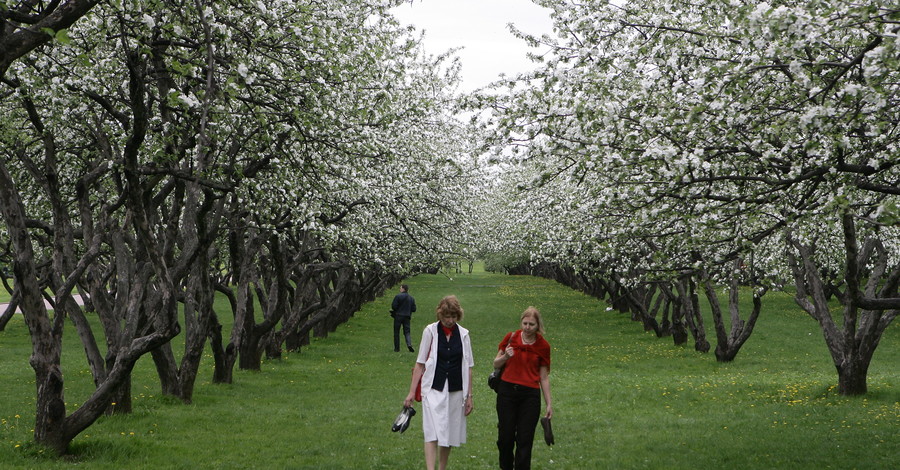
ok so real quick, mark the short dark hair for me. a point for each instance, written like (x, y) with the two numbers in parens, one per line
(404, 287)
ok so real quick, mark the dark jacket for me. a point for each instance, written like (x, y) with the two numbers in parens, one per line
(403, 305)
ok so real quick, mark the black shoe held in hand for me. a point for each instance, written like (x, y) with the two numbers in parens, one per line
(548, 431)
(403, 419)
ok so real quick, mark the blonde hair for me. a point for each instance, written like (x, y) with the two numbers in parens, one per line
(534, 313)
(449, 305)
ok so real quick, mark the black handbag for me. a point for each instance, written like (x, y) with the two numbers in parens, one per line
(494, 377)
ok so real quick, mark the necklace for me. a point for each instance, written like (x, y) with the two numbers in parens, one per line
(529, 341)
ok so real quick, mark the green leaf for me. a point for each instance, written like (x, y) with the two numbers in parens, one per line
(889, 213)
(63, 36)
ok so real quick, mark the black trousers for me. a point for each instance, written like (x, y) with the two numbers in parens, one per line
(404, 322)
(518, 412)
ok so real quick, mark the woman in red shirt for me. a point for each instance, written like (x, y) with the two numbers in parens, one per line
(525, 357)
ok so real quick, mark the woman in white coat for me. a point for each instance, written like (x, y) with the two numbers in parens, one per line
(444, 366)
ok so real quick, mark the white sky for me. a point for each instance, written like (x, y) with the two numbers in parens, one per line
(480, 28)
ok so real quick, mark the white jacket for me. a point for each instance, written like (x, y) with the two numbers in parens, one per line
(428, 356)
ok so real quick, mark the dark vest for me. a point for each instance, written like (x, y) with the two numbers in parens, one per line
(448, 366)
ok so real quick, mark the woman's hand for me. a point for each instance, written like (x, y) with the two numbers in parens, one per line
(503, 355)
(469, 406)
(545, 389)
(409, 399)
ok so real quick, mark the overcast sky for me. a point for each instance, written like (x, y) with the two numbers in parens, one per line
(479, 26)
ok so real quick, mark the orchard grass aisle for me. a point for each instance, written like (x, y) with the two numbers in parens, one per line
(623, 398)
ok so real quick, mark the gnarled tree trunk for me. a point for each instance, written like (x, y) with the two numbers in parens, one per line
(730, 343)
(866, 314)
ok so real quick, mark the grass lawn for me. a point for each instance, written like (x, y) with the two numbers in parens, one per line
(623, 398)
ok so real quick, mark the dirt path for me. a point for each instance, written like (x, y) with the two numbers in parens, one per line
(3, 307)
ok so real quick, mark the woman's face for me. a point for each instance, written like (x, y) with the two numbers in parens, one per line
(529, 325)
(448, 320)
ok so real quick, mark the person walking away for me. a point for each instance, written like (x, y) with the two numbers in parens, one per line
(402, 308)
(444, 367)
(524, 356)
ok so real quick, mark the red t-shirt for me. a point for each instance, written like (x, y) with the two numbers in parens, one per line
(524, 367)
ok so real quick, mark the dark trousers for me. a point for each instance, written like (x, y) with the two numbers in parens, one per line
(518, 412)
(404, 322)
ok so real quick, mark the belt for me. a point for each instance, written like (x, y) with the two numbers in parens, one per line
(520, 388)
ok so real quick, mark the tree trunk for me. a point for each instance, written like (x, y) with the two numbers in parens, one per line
(274, 300)
(199, 301)
(223, 355)
(243, 245)
(729, 344)
(245, 348)
(86, 334)
(852, 346)
(677, 329)
(222, 374)
(679, 332)
(852, 377)
(121, 401)
(166, 370)
(7, 314)
(304, 301)
(690, 305)
(639, 299)
(46, 337)
(618, 296)
(665, 327)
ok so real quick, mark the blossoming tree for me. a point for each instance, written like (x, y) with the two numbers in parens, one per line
(269, 151)
(725, 142)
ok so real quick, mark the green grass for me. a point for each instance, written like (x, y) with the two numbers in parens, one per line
(623, 398)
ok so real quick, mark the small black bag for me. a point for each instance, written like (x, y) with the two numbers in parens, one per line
(494, 379)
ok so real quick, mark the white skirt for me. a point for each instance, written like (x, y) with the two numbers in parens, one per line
(444, 417)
